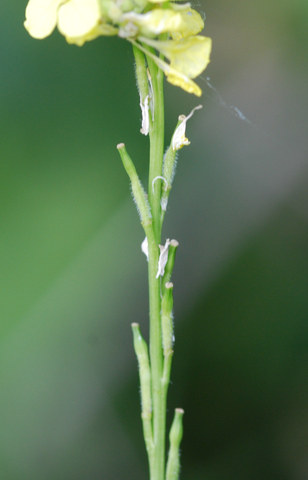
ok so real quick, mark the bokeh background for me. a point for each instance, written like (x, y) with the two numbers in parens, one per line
(73, 278)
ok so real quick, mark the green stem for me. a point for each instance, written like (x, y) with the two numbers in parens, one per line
(160, 366)
(156, 359)
(154, 194)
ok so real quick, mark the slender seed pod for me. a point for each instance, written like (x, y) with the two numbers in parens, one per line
(175, 437)
(169, 168)
(141, 73)
(143, 88)
(173, 245)
(141, 350)
(166, 319)
(137, 189)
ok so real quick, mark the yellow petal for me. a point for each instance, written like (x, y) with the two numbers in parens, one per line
(190, 55)
(180, 80)
(78, 18)
(97, 31)
(178, 24)
(173, 76)
(154, 22)
(177, 78)
(191, 24)
(41, 17)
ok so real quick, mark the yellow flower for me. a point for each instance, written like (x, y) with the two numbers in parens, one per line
(78, 20)
(142, 22)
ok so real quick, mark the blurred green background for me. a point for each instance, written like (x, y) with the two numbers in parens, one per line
(73, 278)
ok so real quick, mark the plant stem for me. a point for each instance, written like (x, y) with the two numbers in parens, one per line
(160, 362)
(156, 360)
(156, 352)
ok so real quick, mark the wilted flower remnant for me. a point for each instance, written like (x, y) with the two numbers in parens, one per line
(179, 137)
(163, 30)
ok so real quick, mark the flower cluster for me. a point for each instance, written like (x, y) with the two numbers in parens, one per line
(167, 28)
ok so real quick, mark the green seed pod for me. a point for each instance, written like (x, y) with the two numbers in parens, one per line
(166, 319)
(137, 189)
(141, 350)
(173, 245)
(175, 437)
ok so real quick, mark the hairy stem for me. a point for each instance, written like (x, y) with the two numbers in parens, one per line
(150, 85)
(154, 193)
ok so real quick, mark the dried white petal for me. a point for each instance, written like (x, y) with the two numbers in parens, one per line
(163, 257)
(179, 139)
(145, 247)
(151, 94)
(159, 177)
(164, 203)
(145, 126)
